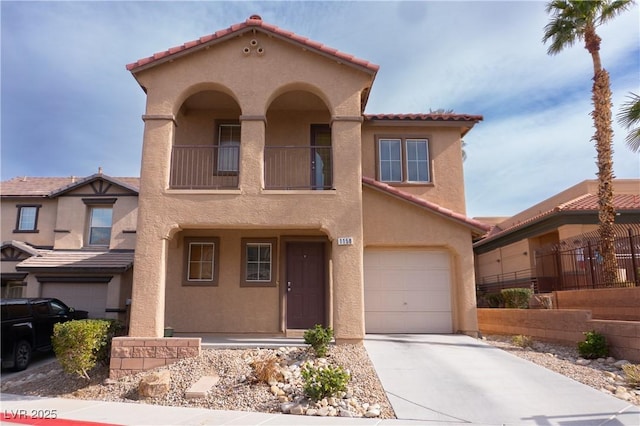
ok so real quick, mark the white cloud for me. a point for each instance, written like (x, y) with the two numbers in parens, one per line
(68, 101)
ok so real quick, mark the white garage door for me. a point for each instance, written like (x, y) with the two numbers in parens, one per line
(91, 297)
(407, 291)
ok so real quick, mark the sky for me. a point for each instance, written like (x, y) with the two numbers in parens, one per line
(68, 105)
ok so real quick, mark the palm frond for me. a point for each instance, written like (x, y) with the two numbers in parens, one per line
(611, 9)
(629, 117)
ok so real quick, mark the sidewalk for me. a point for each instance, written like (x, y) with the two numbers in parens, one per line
(21, 410)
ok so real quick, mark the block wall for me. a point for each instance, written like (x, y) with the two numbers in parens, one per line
(131, 355)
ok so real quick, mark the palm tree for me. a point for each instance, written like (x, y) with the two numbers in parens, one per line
(628, 117)
(577, 20)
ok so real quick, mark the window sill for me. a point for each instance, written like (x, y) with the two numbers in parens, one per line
(198, 284)
(26, 231)
(246, 284)
(299, 191)
(408, 183)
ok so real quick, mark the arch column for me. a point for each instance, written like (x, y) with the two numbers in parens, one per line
(252, 142)
(149, 270)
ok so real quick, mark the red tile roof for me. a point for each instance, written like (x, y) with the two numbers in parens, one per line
(254, 22)
(586, 203)
(475, 225)
(424, 117)
(28, 186)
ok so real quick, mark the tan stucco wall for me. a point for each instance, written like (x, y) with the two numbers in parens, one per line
(46, 221)
(386, 224)
(254, 82)
(446, 188)
(73, 216)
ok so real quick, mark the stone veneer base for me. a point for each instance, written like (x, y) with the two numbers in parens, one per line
(131, 355)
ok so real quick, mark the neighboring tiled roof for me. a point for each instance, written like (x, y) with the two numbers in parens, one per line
(28, 186)
(22, 246)
(586, 203)
(424, 117)
(254, 22)
(475, 225)
(80, 260)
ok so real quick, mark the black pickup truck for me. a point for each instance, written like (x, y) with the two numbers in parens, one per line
(27, 326)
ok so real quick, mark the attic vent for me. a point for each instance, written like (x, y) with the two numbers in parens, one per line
(256, 17)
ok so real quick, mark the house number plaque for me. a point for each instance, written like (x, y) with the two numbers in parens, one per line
(345, 241)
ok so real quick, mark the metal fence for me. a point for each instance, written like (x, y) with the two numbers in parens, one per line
(577, 263)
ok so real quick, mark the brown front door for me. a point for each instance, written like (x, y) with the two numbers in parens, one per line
(305, 284)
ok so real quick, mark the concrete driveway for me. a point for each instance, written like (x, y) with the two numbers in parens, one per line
(454, 379)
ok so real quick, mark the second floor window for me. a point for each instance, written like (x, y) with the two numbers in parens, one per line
(403, 160)
(228, 147)
(27, 218)
(100, 220)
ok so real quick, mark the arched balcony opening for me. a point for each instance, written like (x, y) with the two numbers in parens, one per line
(206, 148)
(298, 150)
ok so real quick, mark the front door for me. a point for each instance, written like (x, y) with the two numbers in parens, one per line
(305, 285)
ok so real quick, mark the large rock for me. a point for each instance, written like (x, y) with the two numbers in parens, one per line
(155, 385)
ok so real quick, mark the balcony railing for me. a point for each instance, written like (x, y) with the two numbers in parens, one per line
(213, 167)
(204, 167)
(298, 167)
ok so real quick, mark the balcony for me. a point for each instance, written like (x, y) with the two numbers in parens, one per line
(285, 167)
(298, 167)
(204, 167)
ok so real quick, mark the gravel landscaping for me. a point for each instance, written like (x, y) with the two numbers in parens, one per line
(240, 389)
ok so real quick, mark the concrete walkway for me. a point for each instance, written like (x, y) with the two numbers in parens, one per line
(440, 379)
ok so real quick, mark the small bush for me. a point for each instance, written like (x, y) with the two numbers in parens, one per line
(323, 382)
(516, 298)
(319, 339)
(495, 300)
(522, 341)
(632, 374)
(267, 369)
(77, 344)
(594, 346)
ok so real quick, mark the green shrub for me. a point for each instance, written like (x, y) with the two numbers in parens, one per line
(319, 339)
(322, 382)
(517, 298)
(632, 374)
(495, 300)
(594, 346)
(77, 344)
(522, 341)
(116, 328)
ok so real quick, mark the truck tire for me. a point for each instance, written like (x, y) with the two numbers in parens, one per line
(21, 355)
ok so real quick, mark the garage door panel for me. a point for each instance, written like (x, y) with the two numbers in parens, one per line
(89, 297)
(408, 322)
(407, 291)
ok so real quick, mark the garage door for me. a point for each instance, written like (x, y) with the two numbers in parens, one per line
(91, 297)
(407, 291)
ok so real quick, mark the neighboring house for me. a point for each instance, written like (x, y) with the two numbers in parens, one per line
(269, 202)
(552, 244)
(70, 238)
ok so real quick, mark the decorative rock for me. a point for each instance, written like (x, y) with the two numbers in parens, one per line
(286, 407)
(312, 412)
(297, 409)
(372, 413)
(620, 363)
(155, 385)
(324, 411)
(345, 413)
(582, 361)
(611, 360)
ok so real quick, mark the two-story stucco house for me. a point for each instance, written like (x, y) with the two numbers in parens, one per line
(269, 202)
(70, 238)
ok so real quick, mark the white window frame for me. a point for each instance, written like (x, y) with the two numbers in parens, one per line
(93, 208)
(259, 262)
(22, 219)
(404, 162)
